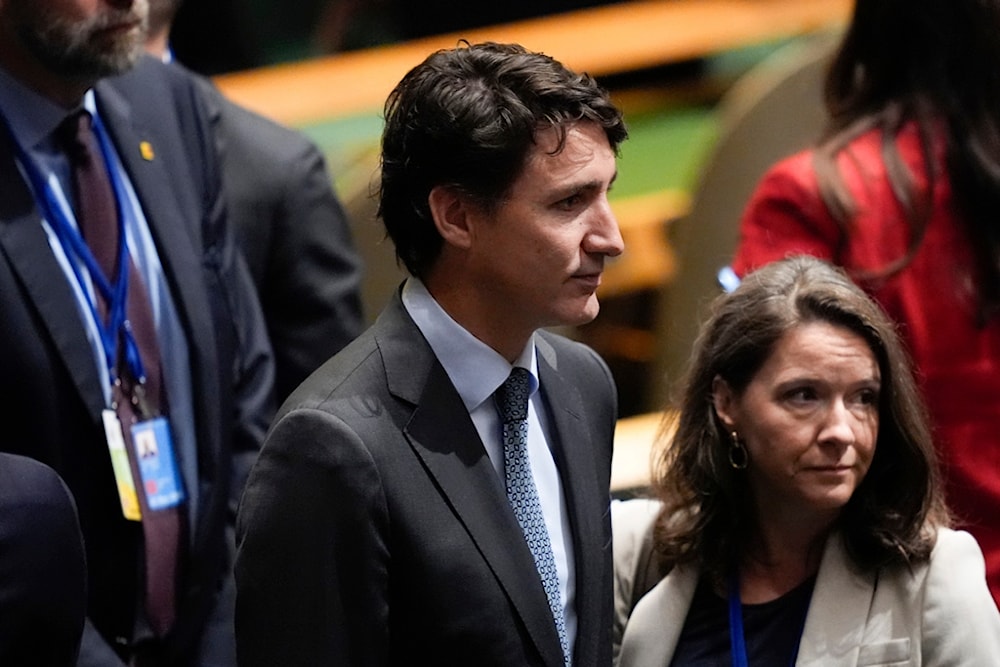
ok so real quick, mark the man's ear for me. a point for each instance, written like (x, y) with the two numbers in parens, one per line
(724, 401)
(451, 213)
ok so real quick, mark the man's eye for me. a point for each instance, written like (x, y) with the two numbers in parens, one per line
(569, 202)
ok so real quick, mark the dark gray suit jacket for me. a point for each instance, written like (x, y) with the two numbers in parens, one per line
(50, 393)
(295, 237)
(375, 531)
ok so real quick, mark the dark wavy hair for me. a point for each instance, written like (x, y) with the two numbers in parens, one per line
(707, 515)
(467, 118)
(936, 63)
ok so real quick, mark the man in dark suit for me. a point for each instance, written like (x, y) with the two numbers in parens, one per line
(295, 237)
(145, 328)
(438, 492)
(290, 225)
(43, 573)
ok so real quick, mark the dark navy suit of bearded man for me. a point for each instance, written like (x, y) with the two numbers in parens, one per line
(51, 397)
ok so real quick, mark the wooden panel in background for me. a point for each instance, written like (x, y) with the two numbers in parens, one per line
(637, 438)
(603, 40)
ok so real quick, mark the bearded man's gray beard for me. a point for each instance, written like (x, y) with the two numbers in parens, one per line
(79, 50)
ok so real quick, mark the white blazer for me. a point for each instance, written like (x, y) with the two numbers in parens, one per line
(939, 613)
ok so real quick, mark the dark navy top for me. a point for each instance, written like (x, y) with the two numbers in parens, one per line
(772, 629)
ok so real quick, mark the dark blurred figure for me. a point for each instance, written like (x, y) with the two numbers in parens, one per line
(43, 574)
(291, 227)
(216, 36)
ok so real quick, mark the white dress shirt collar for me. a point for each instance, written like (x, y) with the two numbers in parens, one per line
(476, 369)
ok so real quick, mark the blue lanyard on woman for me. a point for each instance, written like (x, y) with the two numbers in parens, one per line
(737, 642)
(115, 294)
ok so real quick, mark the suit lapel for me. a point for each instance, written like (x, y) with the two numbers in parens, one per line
(444, 437)
(585, 501)
(175, 225)
(26, 245)
(654, 628)
(168, 222)
(832, 635)
(840, 605)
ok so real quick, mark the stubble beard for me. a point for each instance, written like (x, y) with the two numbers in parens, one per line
(76, 49)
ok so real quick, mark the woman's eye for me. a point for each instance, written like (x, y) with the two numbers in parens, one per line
(801, 395)
(868, 397)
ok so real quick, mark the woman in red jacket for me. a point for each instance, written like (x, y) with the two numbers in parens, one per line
(903, 191)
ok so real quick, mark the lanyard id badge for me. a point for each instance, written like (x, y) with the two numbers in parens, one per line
(120, 465)
(153, 449)
(154, 452)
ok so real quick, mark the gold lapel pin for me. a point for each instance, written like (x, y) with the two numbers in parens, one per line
(146, 150)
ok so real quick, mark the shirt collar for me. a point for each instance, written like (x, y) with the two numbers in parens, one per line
(476, 369)
(32, 117)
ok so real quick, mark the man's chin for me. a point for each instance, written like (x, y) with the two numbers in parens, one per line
(91, 65)
(581, 313)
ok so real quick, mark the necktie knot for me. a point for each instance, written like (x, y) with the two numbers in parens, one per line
(75, 135)
(511, 397)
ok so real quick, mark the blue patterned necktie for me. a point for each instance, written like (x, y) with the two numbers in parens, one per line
(512, 403)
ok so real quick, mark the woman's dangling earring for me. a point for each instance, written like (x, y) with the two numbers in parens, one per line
(738, 456)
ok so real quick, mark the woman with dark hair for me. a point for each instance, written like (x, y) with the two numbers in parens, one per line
(903, 192)
(801, 518)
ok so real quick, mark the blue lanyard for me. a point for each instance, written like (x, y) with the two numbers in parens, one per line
(737, 642)
(115, 294)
